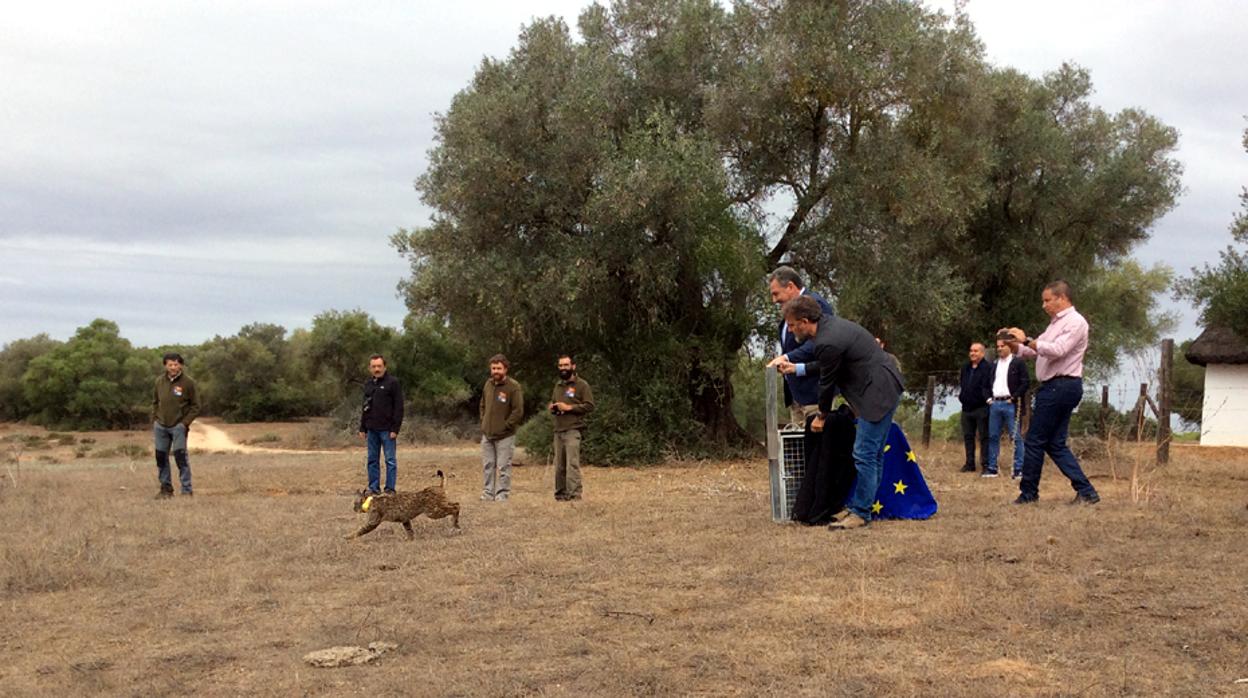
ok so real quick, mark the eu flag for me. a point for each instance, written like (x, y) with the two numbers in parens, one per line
(903, 493)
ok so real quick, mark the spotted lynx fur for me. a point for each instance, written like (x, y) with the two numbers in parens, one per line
(402, 507)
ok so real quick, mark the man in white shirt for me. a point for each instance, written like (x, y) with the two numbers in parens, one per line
(1009, 384)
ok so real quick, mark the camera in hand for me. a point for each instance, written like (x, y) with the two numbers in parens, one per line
(555, 410)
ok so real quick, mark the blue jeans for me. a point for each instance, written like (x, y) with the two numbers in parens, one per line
(168, 439)
(1050, 422)
(869, 441)
(379, 439)
(1000, 418)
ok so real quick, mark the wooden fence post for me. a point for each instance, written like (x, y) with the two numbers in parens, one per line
(1138, 413)
(1104, 425)
(1164, 401)
(927, 411)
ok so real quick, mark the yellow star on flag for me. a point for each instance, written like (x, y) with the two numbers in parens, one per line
(887, 447)
(910, 455)
(899, 487)
(875, 508)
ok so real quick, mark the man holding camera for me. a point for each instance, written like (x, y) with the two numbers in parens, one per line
(571, 400)
(1058, 352)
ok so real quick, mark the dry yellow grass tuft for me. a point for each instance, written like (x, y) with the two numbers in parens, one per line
(665, 580)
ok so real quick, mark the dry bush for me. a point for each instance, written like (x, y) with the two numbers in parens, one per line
(418, 429)
(131, 451)
(322, 434)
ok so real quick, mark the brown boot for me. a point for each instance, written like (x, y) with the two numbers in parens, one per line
(849, 522)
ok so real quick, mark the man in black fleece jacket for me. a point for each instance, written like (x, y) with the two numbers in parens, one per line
(975, 393)
(380, 421)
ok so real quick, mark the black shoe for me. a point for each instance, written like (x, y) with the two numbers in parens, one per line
(989, 473)
(389, 491)
(164, 494)
(967, 469)
(188, 494)
(1024, 499)
(371, 493)
(561, 498)
(1016, 476)
(1088, 499)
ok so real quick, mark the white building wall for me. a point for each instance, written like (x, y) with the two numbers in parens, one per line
(1224, 416)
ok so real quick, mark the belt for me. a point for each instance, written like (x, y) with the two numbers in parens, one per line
(1062, 378)
(1002, 397)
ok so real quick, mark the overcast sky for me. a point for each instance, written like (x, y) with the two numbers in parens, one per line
(187, 168)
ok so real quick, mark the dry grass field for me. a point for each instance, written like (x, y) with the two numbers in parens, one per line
(667, 580)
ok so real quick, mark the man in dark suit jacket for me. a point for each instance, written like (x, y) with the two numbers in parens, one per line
(1009, 384)
(801, 390)
(975, 393)
(851, 362)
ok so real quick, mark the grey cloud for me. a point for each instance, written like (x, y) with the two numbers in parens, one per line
(260, 154)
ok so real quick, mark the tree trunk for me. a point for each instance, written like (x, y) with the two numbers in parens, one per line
(710, 395)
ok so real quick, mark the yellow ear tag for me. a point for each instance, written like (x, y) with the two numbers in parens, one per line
(367, 502)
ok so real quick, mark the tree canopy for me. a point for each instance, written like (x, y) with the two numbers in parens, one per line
(622, 195)
(96, 380)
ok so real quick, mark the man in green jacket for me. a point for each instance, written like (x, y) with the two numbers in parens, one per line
(502, 408)
(571, 400)
(175, 404)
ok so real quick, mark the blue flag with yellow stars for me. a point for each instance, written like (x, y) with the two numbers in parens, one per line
(903, 492)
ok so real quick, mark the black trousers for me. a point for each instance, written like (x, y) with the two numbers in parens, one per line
(830, 469)
(973, 421)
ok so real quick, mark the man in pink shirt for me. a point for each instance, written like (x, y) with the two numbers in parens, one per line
(1058, 352)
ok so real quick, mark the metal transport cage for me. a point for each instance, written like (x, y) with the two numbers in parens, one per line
(786, 457)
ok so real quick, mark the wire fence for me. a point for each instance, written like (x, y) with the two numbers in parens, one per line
(1155, 404)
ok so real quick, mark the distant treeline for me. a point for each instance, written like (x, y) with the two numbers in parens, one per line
(99, 380)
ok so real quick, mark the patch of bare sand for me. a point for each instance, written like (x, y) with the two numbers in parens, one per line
(207, 436)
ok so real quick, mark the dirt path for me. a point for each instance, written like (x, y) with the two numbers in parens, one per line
(210, 437)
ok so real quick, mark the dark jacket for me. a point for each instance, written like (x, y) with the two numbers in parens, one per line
(1017, 377)
(383, 404)
(849, 360)
(577, 393)
(801, 389)
(502, 408)
(175, 401)
(975, 385)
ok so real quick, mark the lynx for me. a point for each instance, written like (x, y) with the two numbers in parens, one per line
(402, 507)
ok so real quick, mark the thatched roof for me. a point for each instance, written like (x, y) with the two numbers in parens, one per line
(1218, 345)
